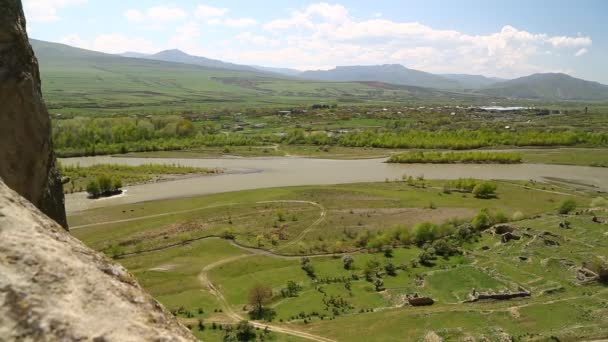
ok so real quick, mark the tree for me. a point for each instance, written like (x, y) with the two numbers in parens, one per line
(371, 269)
(567, 206)
(308, 267)
(292, 289)
(390, 269)
(259, 295)
(348, 261)
(245, 331)
(485, 190)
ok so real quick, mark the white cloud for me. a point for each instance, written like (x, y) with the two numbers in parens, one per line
(134, 15)
(156, 14)
(205, 12)
(570, 41)
(111, 43)
(323, 34)
(581, 52)
(46, 10)
(240, 22)
(253, 39)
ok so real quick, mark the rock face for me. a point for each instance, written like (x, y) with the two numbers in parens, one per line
(27, 162)
(54, 288)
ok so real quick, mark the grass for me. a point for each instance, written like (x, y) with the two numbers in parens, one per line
(459, 157)
(558, 307)
(79, 176)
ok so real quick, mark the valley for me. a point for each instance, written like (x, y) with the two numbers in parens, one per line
(340, 202)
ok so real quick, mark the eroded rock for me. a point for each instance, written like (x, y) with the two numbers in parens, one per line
(26, 152)
(54, 288)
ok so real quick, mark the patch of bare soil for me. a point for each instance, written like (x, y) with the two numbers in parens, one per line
(409, 216)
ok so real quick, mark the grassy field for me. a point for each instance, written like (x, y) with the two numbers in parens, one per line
(198, 276)
(79, 176)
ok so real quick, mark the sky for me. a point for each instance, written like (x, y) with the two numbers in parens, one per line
(505, 39)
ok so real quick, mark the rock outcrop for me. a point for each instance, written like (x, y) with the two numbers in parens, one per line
(27, 162)
(54, 288)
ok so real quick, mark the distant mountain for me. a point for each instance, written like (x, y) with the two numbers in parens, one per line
(178, 56)
(388, 73)
(281, 71)
(551, 86)
(134, 54)
(473, 81)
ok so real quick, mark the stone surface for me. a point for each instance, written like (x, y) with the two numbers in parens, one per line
(54, 288)
(27, 162)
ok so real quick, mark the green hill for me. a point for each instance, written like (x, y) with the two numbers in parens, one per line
(85, 81)
(549, 87)
(389, 73)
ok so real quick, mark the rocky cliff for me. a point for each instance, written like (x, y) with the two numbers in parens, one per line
(27, 163)
(54, 288)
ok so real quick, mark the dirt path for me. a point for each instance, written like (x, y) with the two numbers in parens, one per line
(308, 229)
(236, 317)
(151, 216)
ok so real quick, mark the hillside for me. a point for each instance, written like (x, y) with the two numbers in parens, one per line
(473, 81)
(388, 73)
(78, 80)
(178, 56)
(549, 87)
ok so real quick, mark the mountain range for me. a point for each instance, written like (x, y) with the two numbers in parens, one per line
(548, 86)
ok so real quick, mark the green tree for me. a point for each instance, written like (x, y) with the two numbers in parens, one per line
(245, 331)
(347, 262)
(259, 295)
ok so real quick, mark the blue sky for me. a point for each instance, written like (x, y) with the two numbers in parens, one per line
(494, 38)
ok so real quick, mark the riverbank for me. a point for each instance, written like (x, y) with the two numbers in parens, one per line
(257, 173)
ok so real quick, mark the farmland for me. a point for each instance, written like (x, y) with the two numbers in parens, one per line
(196, 257)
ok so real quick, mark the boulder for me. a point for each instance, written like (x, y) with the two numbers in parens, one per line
(28, 163)
(54, 288)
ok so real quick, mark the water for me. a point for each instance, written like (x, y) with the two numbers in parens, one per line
(255, 173)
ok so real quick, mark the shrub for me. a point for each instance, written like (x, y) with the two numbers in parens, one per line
(93, 188)
(424, 232)
(228, 234)
(348, 261)
(482, 220)
(485, 190)
(500, 217)
(567, 206)
(517, 216)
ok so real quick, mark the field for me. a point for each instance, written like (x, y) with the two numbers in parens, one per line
(128, 175)
(201, 256)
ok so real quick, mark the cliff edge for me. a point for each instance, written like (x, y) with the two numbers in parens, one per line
(54, 288)
(27, 161)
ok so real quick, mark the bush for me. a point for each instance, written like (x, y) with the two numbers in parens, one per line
(500, 217)
(485, 190)
(518, 216)
(228, 234)
(93, 188)
(482, 220)
(567, 206)
(348, 261)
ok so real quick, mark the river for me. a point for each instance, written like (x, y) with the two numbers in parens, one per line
(255, 173)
